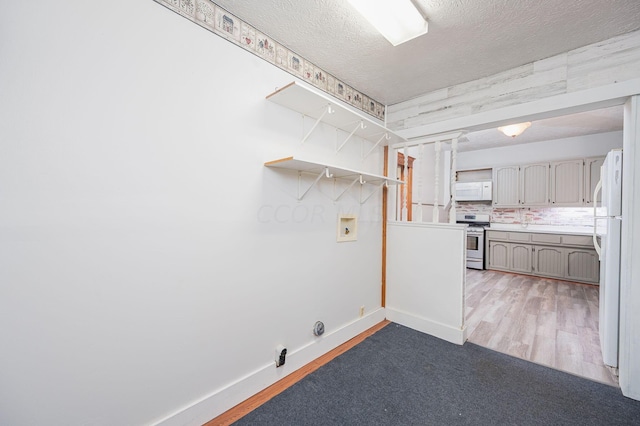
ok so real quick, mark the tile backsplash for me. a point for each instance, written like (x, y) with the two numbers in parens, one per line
(566, 216)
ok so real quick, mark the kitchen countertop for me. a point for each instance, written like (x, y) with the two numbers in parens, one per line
(543, 229)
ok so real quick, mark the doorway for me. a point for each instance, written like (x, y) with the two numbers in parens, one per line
(547, 321)
(404, 201)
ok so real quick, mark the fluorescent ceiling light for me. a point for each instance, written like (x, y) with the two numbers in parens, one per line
(397, 20)
(514, 130)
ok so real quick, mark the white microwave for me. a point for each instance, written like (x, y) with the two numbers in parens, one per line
(473, 191)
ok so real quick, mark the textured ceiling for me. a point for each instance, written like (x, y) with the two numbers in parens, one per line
(584, 123)
(467, 39)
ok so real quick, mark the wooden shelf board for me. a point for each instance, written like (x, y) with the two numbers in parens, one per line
(293, 163)
(312, 103)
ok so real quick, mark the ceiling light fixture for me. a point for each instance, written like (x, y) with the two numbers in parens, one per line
(514, 130)
(398, 20)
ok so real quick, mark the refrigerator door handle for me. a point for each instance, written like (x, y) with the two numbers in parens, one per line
(595, 218)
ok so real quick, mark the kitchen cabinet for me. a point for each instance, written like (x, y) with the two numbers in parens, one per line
(520, 258)
(562, 183)
(567, 183)
(510, 257)
(499, 255)
(591, 177)
(519, 186)
(562, 256)
(506, 186)
(534, 184)
(548, 261)
(582, 265)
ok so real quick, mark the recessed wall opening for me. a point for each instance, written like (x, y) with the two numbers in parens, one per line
(551, 320)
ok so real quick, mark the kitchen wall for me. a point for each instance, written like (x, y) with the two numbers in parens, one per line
(149, 262)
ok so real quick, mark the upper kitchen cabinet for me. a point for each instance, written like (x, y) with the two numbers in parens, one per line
(591, 177)
(534, 181)
(506, 186)
(567, 183)
(560, 184)
(526, 185)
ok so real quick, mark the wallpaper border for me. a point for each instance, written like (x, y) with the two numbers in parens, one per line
(219, 21)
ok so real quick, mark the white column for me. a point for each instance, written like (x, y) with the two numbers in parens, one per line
(420, 172)
(454, 155)
(436, 182)
(405, 187)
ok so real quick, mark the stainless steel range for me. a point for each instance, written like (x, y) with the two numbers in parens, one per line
(475, 238)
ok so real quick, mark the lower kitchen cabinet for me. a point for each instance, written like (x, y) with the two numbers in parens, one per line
(510, 257)
(549, 261)
(521, 258)
(582, 265)
(545, 255)
(499, 255)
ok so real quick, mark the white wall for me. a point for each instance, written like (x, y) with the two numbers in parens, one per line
(630, 254)
(552, 150)
(425, 291)
(148, 259)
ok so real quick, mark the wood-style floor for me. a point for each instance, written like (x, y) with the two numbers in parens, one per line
(550, 322)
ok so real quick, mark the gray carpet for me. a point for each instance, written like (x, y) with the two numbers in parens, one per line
(400, 376)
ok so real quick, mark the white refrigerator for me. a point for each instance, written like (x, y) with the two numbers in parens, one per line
(608, 226)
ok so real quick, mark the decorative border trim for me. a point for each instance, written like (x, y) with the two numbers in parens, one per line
(212, 17)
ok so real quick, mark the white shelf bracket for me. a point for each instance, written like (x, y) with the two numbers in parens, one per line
(384, 136)
(349, 187)
(325, 173)
(385, 183)
(360, 125)
(328, 110)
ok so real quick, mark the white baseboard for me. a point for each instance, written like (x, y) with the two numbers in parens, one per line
(221, 400)
(424, 325)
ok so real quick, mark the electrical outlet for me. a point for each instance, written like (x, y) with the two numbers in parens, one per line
(361, 311)
(281, 355)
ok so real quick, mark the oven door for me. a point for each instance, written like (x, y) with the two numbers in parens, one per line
(475, 249)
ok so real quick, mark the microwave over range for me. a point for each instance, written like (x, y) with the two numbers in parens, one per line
(473, 191)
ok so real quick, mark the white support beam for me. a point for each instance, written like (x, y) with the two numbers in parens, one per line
(436, 182)
(360, 125)
(430, 139)
(385, 136)
(324, 173)
(328, 110)
(452, 182)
